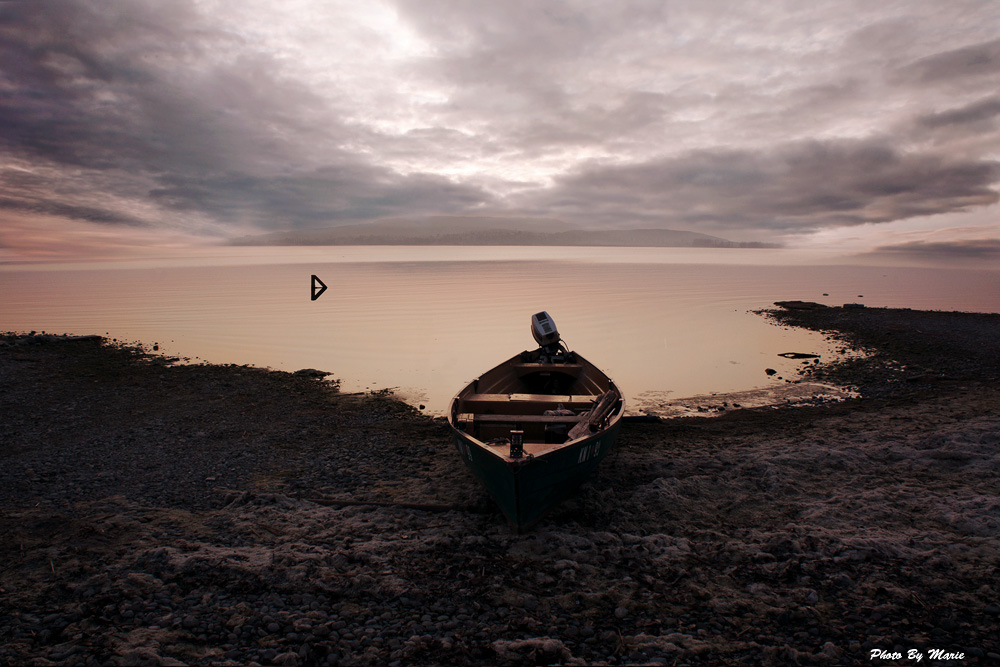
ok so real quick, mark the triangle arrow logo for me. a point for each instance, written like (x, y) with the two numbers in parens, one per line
(318, 287)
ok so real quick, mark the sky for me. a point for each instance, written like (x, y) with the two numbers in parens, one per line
(164, 123)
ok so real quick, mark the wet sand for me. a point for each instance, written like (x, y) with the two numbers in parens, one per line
(158, 514)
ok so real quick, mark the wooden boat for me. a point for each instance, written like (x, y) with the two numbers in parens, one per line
(533, 428)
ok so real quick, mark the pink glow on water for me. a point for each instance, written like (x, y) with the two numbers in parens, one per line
(427, 320)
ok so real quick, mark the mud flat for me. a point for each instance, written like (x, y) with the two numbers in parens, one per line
(161, 514)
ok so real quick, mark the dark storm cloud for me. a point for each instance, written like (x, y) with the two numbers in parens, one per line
(52, 194)
(985, 249)
(979, 112)
(974, 61)
(80, 74)
(73, 212)
(798, 186)
(328, 194)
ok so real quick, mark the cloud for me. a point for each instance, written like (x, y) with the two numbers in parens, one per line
(975, 61)
(33, 237)
(222, 119)
(80, 75)
(976, 248)
(325, 195)
(801, 185)
(984, 252)
(981, 114)
(71, 211)
(160, 112)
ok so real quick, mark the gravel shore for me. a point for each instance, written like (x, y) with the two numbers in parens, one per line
(164, 514)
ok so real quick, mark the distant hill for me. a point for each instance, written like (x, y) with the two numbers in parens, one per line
(468, 230)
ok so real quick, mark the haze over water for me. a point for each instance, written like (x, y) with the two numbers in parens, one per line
(426, 320)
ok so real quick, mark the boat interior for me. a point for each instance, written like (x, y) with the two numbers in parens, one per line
(539, 398)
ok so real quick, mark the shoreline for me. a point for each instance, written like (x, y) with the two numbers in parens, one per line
(164, 514)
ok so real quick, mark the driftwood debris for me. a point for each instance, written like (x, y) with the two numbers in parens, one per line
(605, 404)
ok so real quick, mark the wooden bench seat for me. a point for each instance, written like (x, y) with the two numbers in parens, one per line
(552, 399)
(507, 404)
(572, 370)
(527, 419)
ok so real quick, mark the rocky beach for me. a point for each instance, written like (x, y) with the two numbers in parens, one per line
(157, 513)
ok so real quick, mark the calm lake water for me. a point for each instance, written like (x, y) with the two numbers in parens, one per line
(426, 320)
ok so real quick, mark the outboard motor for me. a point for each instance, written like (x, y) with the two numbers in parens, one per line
(543, 329)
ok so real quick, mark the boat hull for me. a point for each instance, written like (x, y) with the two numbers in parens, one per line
(525, 490)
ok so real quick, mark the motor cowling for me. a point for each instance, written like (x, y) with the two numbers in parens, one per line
(543, 329)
